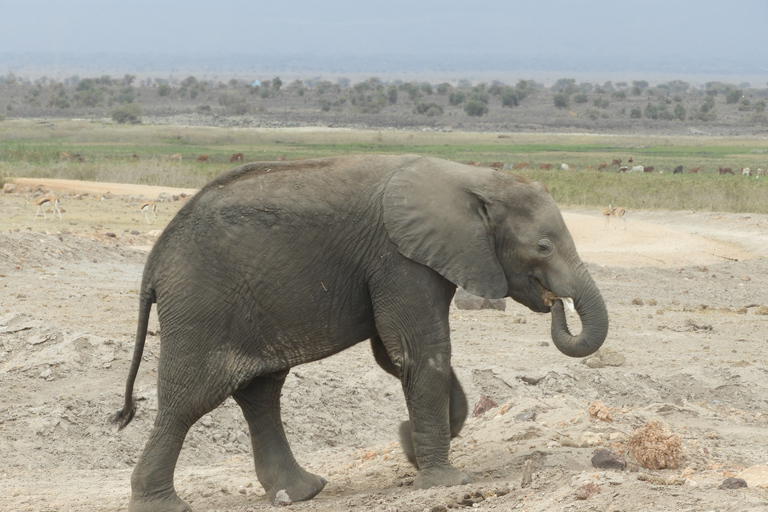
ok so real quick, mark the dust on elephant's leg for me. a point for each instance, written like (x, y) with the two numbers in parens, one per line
(276, 467)
(458, 403)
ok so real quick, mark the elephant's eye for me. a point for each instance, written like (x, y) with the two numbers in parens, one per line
(545, 246)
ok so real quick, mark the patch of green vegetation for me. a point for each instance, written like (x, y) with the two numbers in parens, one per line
(93, 151)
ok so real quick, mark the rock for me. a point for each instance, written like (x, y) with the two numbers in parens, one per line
(9, 188)
(483, 405)
(527, 474)
(606, 459)
(282, 499)
(733, 483)
(526, 416)
(466, 301)
(587, 490)
(755, 476)
(610, 357)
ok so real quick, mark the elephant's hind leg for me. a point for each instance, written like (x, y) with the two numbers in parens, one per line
(276, 467)
(181, 403)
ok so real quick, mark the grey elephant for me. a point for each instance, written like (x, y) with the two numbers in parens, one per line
(276, 264)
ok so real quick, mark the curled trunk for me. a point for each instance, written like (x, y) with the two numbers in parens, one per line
(591, 308)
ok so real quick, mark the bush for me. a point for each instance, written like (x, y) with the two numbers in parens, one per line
(636, 113)
(679, 112)
(580, 98)
(562, 100)
(651, 111)
(129, 113)
(428, 109)
(457, 98)
(733, 96)
(164, 90)
(510, 97)
(601, 103)
(476, 108)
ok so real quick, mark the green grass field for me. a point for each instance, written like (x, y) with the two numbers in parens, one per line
(29, 149)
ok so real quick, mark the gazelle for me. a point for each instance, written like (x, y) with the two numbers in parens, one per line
(614, 211)
(44, 202)
(146, 208)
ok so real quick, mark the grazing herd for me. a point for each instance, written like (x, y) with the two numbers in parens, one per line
(616, 162)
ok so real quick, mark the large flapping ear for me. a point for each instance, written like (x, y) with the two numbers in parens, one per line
(436, 214)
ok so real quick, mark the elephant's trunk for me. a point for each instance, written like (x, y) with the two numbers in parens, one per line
(594, 322)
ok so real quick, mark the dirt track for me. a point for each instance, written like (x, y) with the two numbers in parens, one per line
(686, 294)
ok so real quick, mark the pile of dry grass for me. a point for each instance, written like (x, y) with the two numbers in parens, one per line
(655, 446)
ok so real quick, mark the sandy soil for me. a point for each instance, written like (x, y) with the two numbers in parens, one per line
(687, 346)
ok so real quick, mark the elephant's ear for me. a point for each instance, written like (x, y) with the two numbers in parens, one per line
(437, 215)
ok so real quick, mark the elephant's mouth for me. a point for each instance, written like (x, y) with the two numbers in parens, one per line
(549, 299)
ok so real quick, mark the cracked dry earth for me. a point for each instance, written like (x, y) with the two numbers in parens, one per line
(687, 346)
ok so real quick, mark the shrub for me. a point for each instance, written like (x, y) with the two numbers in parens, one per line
(636, 113)
(619, 95)
(733, 96)
(580, 98)
(651, 111)
(510, 97)
(562, 100)
(129, 113)
(444, 88)
(679, 112)
(164, 90)
(457, 98)
(601, 103)
(428, 109)
(476, 108)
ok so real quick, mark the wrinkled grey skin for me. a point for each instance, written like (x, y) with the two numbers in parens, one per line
(276, 264)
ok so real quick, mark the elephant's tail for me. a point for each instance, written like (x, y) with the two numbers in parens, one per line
(124, 416)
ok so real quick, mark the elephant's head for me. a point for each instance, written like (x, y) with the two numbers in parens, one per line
(496, 235)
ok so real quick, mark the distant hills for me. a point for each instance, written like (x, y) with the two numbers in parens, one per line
(65, 64)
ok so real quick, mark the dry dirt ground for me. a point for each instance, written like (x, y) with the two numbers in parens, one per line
(687, 346)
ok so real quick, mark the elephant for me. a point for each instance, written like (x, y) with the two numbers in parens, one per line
(276, 264)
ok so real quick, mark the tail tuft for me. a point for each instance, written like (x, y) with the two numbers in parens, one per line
(122, 419)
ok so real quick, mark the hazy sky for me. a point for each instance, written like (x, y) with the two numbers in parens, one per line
(634, 29)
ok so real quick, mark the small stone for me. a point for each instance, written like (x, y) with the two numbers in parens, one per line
(526, 416)
(606, 459)
(587, 490)
(527, 474)
(483, 405)
(594, 362)
(733, 483)
(637, 301)
(282, 499)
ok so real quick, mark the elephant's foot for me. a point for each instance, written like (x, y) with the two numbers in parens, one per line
(435, 477)
(170, 503)
(300, 486)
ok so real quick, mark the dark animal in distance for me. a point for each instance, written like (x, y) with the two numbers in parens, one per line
(603, 166)
(724, 170)
(616, 161)
(204, 158)
(678, 170)
(237, 157)
(521, 165)
(650, 168)
(545, 167)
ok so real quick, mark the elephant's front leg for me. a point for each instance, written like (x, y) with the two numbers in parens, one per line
(458, 407)
(276, 467)
(426, 383)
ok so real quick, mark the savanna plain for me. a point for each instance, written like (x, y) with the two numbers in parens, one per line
(678, 393)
